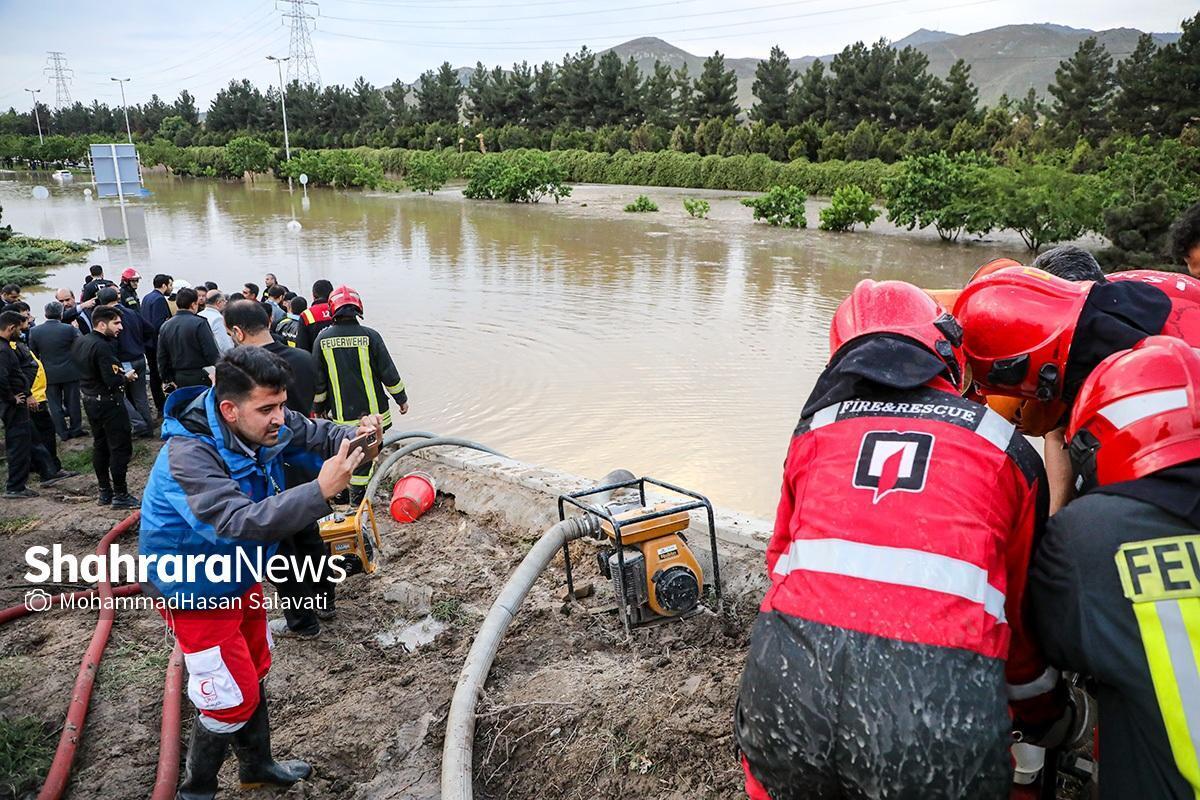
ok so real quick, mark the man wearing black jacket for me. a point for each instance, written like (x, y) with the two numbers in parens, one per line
(156, 310)
(51, 342)
(131, 350)
(103, 388)
(14, 410)
(186, 345)
(94, 284)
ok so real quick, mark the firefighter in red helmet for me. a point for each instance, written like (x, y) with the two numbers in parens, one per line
(355, 373)
(894, 623)
(1031, 335)
(1115, 589)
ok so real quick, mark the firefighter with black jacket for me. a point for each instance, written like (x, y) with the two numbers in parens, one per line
(1115, 589)
(317, 317)
(894, 623)
(103, 388)
(355, 373)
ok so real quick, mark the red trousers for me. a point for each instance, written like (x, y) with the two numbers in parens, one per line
(227, 652)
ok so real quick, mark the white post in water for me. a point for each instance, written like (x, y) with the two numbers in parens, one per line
(287, 147)
(34, 93)
(124, 107)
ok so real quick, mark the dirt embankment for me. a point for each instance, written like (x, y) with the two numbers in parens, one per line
(573, 707)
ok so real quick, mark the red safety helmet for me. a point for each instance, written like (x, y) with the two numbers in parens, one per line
(1137, 413)
(995, 265)
(1018, 324)
(899, 308)
(343, 297)
(130, 274)
(1184, 292)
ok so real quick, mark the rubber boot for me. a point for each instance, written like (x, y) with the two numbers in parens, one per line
(252, 743)
(205, 755)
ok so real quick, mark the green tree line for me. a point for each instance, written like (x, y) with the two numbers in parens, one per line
(869, 99)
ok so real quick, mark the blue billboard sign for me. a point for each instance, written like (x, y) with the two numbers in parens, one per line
(116, 171)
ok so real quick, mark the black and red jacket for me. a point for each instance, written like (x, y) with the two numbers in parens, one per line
(313, 320)
(911, 514)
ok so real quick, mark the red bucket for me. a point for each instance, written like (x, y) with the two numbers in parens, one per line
(412, 496)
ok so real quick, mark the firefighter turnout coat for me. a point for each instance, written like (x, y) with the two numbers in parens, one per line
(355, 373)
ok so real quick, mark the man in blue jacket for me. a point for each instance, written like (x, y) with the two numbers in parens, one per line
(215, 496)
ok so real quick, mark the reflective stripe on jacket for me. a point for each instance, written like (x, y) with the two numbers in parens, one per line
(912, 516)
(356, 373)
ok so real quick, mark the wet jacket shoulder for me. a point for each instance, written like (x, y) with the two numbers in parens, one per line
(1098, 579)
(209, 495)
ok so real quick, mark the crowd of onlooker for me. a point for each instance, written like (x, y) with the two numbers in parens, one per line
(106, 361)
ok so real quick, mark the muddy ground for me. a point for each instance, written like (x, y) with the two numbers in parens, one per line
(572, 709)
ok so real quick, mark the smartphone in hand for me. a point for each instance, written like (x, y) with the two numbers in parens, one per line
(366, 442)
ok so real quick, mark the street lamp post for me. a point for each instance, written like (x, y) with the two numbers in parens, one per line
(128, 131)
(287, 148)
(34, 93)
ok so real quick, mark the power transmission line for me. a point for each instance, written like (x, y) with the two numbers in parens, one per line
(56, 68)
(302, 60)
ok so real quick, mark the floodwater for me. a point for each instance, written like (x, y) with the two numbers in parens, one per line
(573, 336)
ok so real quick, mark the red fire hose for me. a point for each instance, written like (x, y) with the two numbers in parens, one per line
(167, 775)
(166, 778)
(81, 695)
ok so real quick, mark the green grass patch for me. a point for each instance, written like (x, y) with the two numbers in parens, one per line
(26, 750)
(77, 460)
(448, 610)
(14, 525)
(131, 663)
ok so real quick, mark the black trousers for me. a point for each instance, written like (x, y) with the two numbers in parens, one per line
(18, 443)
(156, 390)
(301, 584)
(832, 714)
(45, 450)
(62, 399)
(112, 440)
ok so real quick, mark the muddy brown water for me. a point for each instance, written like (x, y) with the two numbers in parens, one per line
(574, 336)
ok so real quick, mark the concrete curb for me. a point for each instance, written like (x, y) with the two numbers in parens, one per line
(525, 496)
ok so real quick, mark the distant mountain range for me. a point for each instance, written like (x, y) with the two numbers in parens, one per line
(1006, 60)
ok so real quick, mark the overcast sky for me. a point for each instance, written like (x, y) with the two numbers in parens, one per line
(168, 45)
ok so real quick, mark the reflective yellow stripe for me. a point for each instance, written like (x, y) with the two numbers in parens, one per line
(1171, 637)
(368, 377)
(395, 388)
(331, 365)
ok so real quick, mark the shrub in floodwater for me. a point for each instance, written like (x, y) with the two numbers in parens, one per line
(695, 207)
(426, 172)
(248, 154)
(641, 205)
(780, 206)
(850, 205)
(517, 176)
